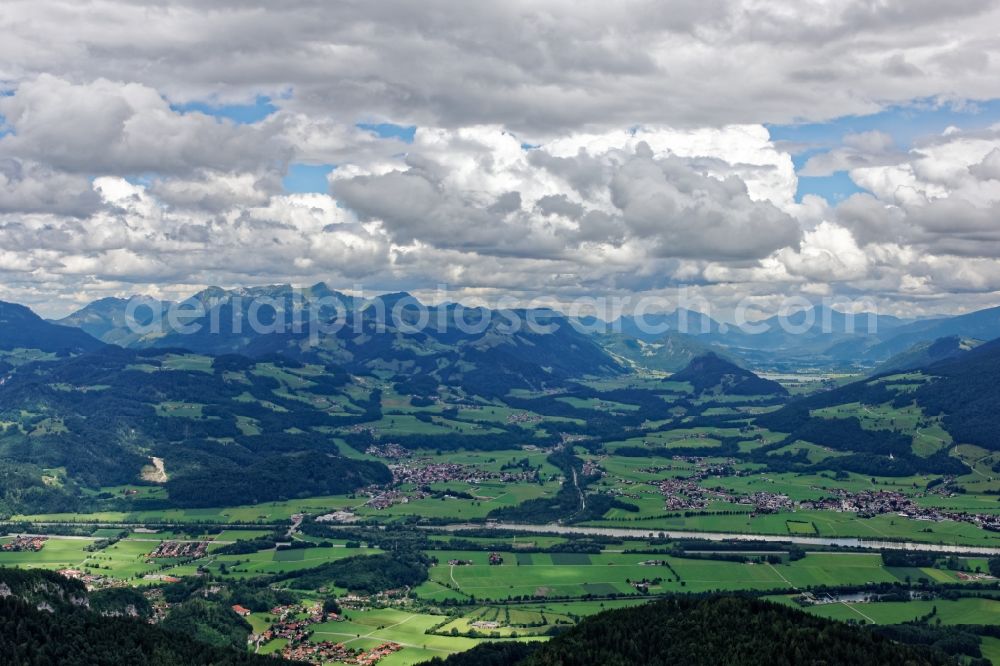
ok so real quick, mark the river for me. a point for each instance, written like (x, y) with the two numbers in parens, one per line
(844, 542)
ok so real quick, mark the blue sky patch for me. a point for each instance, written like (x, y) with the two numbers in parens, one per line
(141, 180)
(404, 133)
(834, 188)
(243, 114)
(906, 124)
(307, 178)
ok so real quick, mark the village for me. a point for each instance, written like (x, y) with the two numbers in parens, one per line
(688, 493)
(326, 651)
(445, 472)
(93, 581)
(422, 474)
(25, 543)
(180, 549)
(868, 503)
(293, 624)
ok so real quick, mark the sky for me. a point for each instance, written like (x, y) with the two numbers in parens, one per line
(743, 150)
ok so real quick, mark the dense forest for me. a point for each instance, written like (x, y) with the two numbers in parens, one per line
(711, 373)
(20, 328)
(47, 619)
(966, 394)
(102, 415)
(364, 573)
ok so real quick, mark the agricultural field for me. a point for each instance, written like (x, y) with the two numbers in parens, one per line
(960, 611)
(466, 599)
(928, 435)
(56, 554)
(416, 632)
(827, 524)
(579, 575)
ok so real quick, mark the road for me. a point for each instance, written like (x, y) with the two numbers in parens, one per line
(147, 523)
(139, 539)
(296, 521)
(859, 612)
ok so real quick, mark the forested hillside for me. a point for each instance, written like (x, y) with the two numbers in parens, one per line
(45, 619)
(20, 328)
(710, 373)
(964, 391)
(669, 353)
(707, 632)
(227, 430)
(926, 353)
(961, 390)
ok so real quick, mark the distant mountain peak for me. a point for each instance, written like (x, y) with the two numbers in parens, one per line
(710, 373)
(924, 354)
(20, 328)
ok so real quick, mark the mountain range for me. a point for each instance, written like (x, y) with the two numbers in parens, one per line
(237, 404)
(479, 349)
(361, 334)
(20, 328)
(817, 337)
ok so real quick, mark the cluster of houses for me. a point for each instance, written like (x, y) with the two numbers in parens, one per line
(159, 604)
(341, 516)
(20, 544)
(765, 502)
(963, 575)
(90, 580)
(523, 417)
(180, 549)
(318, 653)
(642, 586)
(292, 623)
(389, 451)
(387, 498)
(684, 494)
(868, 503)
(688, 493)
(485, 624)
(423, 474)
(376, 654)
(592, 468)
(327, 651)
